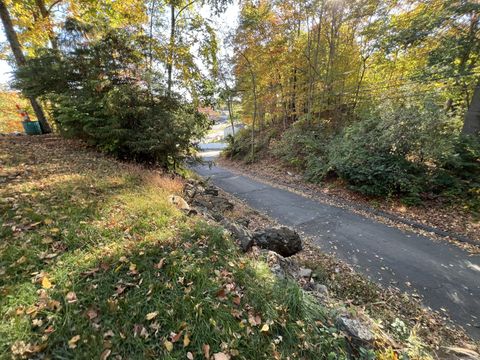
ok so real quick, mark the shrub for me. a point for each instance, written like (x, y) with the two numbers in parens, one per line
(10, 120)
(99, 93)
(393, 149)
(240, 146)
(376, 173)
(304, 145)
(459, 172)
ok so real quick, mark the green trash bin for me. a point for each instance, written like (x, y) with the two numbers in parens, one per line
(32, 127)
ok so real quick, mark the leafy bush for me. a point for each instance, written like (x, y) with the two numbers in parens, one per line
(240, 146)
(304, 145)
(99, 93)
(459, 172)
(393, 149)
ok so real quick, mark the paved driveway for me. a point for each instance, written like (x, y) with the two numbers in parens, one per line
(446, 276)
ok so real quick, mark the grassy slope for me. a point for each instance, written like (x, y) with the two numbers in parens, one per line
(95, 262)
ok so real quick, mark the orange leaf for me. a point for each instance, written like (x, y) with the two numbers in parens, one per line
(221, 294)
(176, 337)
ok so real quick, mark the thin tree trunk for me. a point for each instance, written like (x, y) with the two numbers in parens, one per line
(313, 78)
(230, 115)
(20, 60)
(46, 16)
(150, 51)
(283, 99)
(254, 85)
(170, 51)
(360, 80)
(471, 124)
(293, 107)
(331, 55)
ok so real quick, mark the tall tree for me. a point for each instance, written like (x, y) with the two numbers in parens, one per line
(187, 33)
(20, 61)
(471, 123)
(46, 17)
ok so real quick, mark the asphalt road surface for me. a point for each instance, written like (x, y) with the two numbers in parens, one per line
(447, 277)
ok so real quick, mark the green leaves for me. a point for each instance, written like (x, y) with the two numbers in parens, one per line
(99, 94)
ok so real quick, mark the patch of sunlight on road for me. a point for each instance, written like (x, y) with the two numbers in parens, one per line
(210, 154)
(472, 266)
(455, 298)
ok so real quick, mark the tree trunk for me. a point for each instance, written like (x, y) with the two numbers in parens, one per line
(20, 60)
(230, 115)
(150, 53)
(254, 88)
(170, 51)
(46, 16)
(360, 80)
(471, 124)
(313, 78)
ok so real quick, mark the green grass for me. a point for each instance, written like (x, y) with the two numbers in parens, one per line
(105, 234)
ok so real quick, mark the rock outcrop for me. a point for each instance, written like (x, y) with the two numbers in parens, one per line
(282, 240)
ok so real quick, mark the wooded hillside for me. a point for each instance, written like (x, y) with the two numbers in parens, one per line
(382, 94)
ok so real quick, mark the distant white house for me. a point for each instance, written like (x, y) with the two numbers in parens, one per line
(229, 131)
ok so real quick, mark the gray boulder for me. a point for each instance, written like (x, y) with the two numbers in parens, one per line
(321, 289)
(190, 191)
(211, 190)
(213, 203)
(244, 221)
(282, 240)
(305, 273)
(220, 204)
(281, 267)
(240, 233)
(358, 331)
